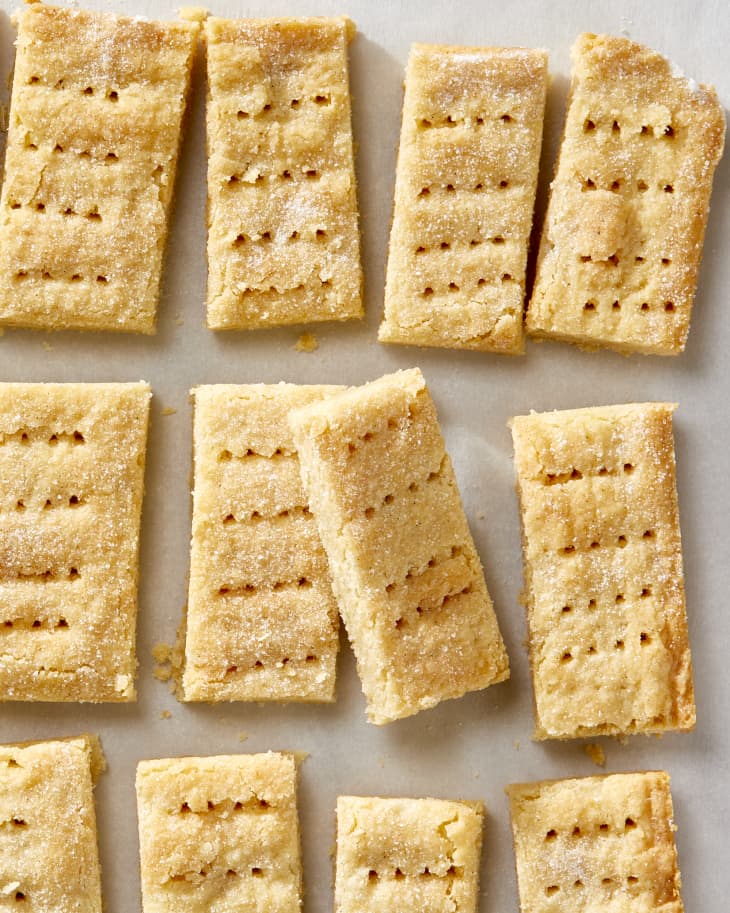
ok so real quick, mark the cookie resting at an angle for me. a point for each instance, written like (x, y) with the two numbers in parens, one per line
(407, 578)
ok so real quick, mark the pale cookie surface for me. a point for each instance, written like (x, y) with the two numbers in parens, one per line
(465, 190)
(596, 844)
(48, 854)
(283, 240)
(622, 240)
(94, 130)
(603, 571)
(404, 568)
(71, 478)
(415, 855)
(262, 621)
(219, 834)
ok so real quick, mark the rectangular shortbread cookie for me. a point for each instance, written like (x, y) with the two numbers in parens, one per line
(416, 855)
(596, 843)
(622, 239)
(603, 571)
(262, 621)
(71, 478)
(464, 195)
(95, 122)
(406, 574)
(283, 240)
(48, 852)
(219, 833)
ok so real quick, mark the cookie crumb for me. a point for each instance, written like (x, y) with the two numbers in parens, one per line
(168, 410)
(306, 343)
(165, 715)
(242, 736)
(596, 754)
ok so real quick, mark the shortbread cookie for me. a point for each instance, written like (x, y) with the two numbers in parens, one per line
(48, 852)
(405, 572)
(622, 240)
(419, 855)
(603, 571)
(597, 843)
(464, 195)
(71, 477)
(219, 833)
(95, 122)
(283, 241)
(262, 621)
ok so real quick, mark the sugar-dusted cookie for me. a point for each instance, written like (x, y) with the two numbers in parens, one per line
(404, 568)
(95, 121)
(48, 853)
(261, 621)
(596, 843)
(219, 833)
(283, 241)
(464, 195)
(603, 571)
(420, 855)
(71, 477)
(622, 239)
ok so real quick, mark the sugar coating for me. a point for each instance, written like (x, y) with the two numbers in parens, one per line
(465, 190)
(622, 240)
(95, 121)
(407, 578)
(603, 571)
(71, 480)
(420, 855)
(283, 240)
(262, 621)
(219, 834)
(48, 850)
(601, 843)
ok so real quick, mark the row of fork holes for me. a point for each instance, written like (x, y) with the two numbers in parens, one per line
(577, 831)
(93, 215)
(109, 94)
(449, 188)
(286, 175)
(46, 274)
(321, 99)
(320, 234)
(449, 121)
(455, 287)
(37, 623)
(73, 501)
(645, 593)
(644, 641)
(591, 307)
(75, 437)
(256, 872)
(631, 880)
(401, 623)
(413, 487)
(621, 542)
(249, 589)
(616, 185)
(257, 515)
(259, 805)
(589, 125)
(614, 259)
(309, 658)
(574, 474)
(398, 874)
(84, 154)
(369, 436)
